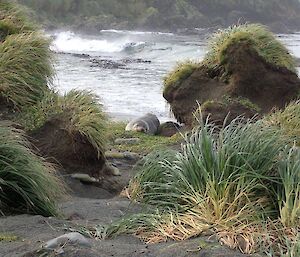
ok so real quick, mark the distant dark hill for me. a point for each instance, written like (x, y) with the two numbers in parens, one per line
(93, 15)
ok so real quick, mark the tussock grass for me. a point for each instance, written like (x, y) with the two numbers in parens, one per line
(289, 189)
(258, 36)
(287, 120)
(181, 72)
(83, 108)
(293, 248)
(26, 68)
(14, 19)
(150, 172)
(222, 181)
(28, 183)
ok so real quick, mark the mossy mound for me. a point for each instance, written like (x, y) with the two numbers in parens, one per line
(238, 66)
(222, 112)
(182, 71)
(259, 37)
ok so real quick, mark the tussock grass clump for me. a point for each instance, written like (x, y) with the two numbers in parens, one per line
(83, 109)
(289, 188)
(26, 68)
(287, 120)
(182, 71)
(258, 36)
(150, 172)
(293, 248)
(222, 181)
(14, 19)
(28, 183)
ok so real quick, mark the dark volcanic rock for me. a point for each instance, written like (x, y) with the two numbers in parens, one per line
(119, 64)
(107, 64)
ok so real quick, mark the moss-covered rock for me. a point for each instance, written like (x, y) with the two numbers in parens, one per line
(245, 61)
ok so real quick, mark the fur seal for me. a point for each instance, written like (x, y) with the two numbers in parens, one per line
(148, 124)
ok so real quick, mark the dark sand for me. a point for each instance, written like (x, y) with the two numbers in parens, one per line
(89, 206)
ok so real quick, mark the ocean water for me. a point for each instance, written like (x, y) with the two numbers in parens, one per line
(126, 68)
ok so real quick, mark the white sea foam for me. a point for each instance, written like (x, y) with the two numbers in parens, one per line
(69, 42)
(130, 32)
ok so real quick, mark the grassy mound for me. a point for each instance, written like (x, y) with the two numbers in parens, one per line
(28, 183)
(258, 36)
(225, 110)
(242, 61)
(84, 114)
(14, 19)
(229, 182)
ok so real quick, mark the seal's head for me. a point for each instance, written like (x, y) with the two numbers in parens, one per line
(139, 128)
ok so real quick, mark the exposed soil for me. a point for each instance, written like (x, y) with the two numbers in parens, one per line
(70, 149)
(262, 83)
(200, 86)
(248, 76)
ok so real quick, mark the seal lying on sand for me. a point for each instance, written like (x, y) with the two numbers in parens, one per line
(148, 124)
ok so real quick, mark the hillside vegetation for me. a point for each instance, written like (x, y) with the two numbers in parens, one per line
(94, 15)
